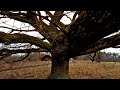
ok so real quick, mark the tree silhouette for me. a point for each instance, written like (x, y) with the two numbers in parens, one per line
(85, 34)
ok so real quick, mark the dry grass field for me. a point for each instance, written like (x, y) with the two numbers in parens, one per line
(78, 70)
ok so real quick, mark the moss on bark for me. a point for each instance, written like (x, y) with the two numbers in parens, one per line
(23, 38)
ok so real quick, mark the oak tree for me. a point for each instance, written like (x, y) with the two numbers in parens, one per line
(86, 33)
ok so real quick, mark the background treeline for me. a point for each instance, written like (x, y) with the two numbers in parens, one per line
(100, 57)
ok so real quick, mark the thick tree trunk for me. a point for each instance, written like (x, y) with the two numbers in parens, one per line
(60, 58)
(59, 69)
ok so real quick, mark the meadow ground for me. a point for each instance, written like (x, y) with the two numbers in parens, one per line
(77, 70)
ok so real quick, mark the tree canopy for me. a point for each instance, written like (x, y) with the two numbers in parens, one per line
(85, 34)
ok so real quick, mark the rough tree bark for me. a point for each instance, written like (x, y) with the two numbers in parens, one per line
(60, 58)
(59, 69)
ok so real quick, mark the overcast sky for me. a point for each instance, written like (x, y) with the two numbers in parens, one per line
(17, 24)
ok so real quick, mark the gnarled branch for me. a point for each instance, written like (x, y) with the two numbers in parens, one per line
(102, 44)
(23, 38)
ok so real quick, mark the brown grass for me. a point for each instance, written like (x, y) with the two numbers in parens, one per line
(78, 70)
(94, 70)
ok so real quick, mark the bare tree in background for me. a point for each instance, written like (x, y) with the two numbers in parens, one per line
(96, 56)
(85, 34)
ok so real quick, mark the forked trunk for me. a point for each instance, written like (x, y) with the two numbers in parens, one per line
(59, 69)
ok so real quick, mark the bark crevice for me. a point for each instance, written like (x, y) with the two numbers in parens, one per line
(59, 69)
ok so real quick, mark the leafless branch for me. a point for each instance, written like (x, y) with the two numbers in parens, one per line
(15, 46)
(56, 26)
(68, 17)
(16, 16)
(38, 24)
(17, 29)
(102, 44)
(9, 52)
(23, 38)
(49, 13)
(75, 15)
(92, 58)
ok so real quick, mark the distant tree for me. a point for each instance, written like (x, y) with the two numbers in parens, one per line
(97, 56)
(85, 34)
(92, 57)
